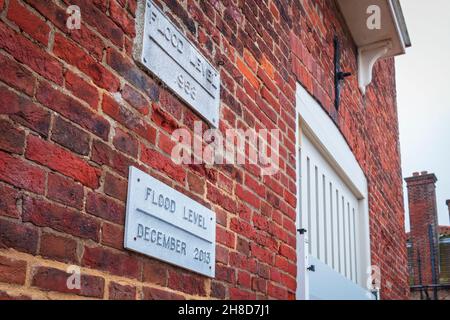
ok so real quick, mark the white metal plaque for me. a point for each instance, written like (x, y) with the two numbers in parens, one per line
(167, 225)
(170, 56)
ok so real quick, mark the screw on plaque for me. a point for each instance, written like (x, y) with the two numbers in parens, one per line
(302, 231)
(311, 268)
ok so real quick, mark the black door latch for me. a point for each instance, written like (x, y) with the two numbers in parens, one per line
(311, 268)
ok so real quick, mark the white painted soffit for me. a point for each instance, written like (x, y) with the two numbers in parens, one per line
(390, 40)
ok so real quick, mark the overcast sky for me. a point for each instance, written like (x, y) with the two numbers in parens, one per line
(423, 87)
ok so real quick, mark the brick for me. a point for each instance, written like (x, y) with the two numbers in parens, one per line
(8, 201)
(288, 252)
(162, 163)
(222, 254)
(112, 235)
(121, 292)
(155, 272)
(126, 143)
(103, 154)
(62, 161)
(132, 6)
(24, 111)
(166, 144)
(28, 22)
(58, 248)
(188, 283)
(135, 99)
(100, 21)
(120, 17)
(250, 61)
(17, 76)
(127, 69)
(45, 214)
(69, 136)
(57, 15)
(277, 292)
(124, 116)
(169, 103)
(105, 208)
(238, 294)
(50, 10)
(218, 290)
(82, 89)
(115, 263)
(20, 237)
(74, 55)
(116, 187)
(21, 173)
(247, 196)
(65, 190)
(51, 279)
(12, 139)
(259, 285)
(225, 237)
(164, 119)
(158, 294)
(247, 73)
(12, 271)
(225, 273)
(28, 53)
(214, 195)
(196, 184)
(242, 227)
(12, 296)
(244, 279)
(72, 110)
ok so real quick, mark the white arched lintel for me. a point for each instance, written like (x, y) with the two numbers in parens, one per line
(367, 56)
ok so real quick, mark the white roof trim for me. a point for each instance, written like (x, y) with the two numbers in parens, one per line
(390, 40)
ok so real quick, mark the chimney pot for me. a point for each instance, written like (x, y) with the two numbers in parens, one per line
(416, 174)
(424, 173)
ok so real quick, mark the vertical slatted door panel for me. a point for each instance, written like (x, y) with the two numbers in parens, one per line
(332, 211)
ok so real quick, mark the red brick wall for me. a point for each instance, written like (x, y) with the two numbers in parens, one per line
(66, 145)
(423, 213)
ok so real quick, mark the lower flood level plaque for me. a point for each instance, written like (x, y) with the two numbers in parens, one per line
(163, 223)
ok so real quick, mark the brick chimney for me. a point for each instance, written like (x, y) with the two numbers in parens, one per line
(424, 222)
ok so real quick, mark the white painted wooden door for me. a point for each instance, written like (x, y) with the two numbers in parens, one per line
(330, 215)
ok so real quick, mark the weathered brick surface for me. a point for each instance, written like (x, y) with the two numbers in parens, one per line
(52, 279)
(121, 292)
(58, 248)
(65, 190)
(13, 139)
(8, 201)
(12, 271)
(28, 22)
(76, 111)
